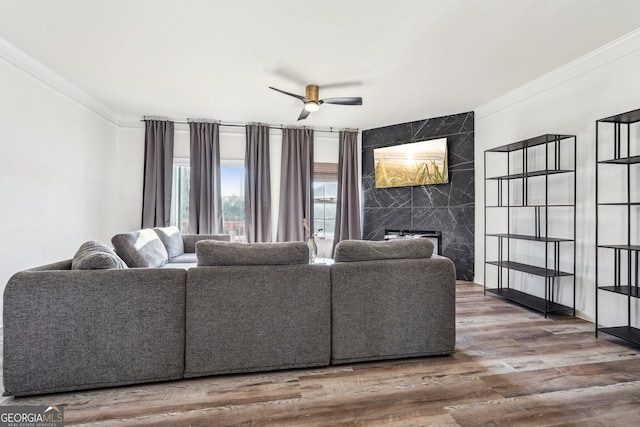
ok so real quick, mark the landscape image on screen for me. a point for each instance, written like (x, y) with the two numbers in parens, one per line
(415, 163)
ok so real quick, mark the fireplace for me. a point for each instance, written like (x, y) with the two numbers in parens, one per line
(434, 236)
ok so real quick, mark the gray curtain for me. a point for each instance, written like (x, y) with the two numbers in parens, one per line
(158, 173)
(205, 199)
(348, 201)
(296, 184)
(257, 185)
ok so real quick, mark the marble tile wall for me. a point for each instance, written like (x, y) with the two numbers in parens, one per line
(448, 208)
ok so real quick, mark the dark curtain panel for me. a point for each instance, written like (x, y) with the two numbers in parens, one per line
(158, 173)
(257, 185)
(348, 201)
(205, 199)
(296, 184)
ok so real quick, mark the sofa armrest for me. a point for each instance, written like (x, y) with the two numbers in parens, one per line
(190, 240)
(79, 329)
(60, 265)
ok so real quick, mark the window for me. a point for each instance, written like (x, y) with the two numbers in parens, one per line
(325, 193)
(232, 184)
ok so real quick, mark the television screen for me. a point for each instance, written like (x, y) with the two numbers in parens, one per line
(415, 163)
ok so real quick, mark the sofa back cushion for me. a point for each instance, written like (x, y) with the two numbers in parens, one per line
(171, 239)
(94, 255)
(367, 250)
(216, 253)
(142, 248)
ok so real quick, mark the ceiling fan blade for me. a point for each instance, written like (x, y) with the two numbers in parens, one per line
(350, 100)
(300, 97)
(303, 115)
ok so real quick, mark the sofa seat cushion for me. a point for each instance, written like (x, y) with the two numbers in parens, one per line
(142, 248)
(366, 250)
(94, 255)
(216, 253)
(185, 261)
(171, 239)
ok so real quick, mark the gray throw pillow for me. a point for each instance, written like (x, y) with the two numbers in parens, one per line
(94, 255)
(367, 250)
(141, 248)
(213, 252)
(171, 239)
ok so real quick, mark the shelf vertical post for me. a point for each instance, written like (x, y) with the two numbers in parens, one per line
(628, 225)
(484, 269)
(575, 200)
(508, 220)
(546, 220)
(596, 219)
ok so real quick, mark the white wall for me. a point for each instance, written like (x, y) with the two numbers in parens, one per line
(130, 142)
(57, 174)
(566, 101)
(232, 147)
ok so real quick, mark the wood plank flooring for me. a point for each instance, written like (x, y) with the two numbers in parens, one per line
(511, 367)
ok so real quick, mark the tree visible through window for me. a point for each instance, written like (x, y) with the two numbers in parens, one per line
(232, 178)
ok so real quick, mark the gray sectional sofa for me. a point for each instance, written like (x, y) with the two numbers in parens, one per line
(241, 308)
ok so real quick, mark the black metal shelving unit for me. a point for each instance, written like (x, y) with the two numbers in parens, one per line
(529, 166)
(622, 152)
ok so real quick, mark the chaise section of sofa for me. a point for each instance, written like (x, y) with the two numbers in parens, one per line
(78, 329)
(256, 307)
(391, 300)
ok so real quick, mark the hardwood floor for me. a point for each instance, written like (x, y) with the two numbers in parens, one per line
(511, 367)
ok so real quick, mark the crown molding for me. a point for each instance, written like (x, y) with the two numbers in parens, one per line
(38, 72)
(618, 48)
(130, 122)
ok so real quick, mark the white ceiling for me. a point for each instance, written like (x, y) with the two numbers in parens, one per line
(409, 60)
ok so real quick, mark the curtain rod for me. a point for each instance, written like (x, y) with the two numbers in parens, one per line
(238, 125)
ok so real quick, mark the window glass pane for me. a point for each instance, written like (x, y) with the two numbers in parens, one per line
(318, 190)
(330, 226)
(330, 211)
(182, 196)
(318, 216)
(232, 180)
(331, 190)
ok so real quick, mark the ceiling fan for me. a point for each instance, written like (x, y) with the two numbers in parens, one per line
(312, 103)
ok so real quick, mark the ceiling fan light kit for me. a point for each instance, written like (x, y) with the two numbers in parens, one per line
(311, 106)
(312, 102)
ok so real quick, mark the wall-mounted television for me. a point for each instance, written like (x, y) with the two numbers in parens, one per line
(414, 163)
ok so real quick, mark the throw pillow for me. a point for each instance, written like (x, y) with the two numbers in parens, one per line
(94, 255)
(171, 239)
(367, 250)
(142, 248)
(213, 252)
